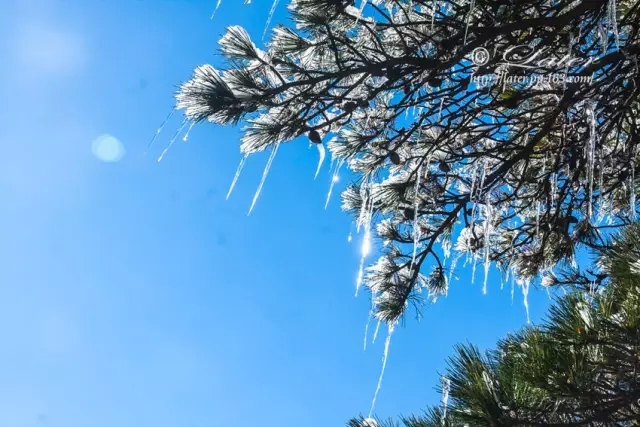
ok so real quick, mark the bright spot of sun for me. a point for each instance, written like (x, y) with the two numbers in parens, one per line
(107, 148)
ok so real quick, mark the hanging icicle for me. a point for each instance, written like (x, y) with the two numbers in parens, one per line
(264, 176)
(269, 18)
(612, 18)
(416, 229)
(215, 9)
(160, 128)
(375, 333)
(366, 328)
(237, 175)
(335, 177)
(366, 247)
(322, 154)
(466, 29)
(488, 218)
(525, 296)
(385, 356)
(632, 188)
(590, 154)
(175, 136)
(186, 135)
(454, 262)
(446, 385)
(440, 109)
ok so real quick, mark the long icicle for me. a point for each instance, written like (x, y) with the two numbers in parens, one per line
(385, 356)
(466, 29)
(366, 328)
(216, 9)
(590, 158)
(375, 333)
(186, 135)
(613, 21)
(160, 128)
(487, 230)
(175, 136)
(237, 175)
(525, 297)
(366, 247)
(322, 153)
(334, 178)
(632, 187)
(446, 385)
(416, 232)
(264, 176)
(366, 242)
(271, 12)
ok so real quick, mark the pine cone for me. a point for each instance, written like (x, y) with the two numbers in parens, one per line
(314, 136)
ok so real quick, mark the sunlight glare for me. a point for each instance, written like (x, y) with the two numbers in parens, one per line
(108, 148)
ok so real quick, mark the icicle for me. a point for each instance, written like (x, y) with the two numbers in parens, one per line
(366, 247)
(366, 328)
(446, 384)
(237, 175)
(601, 201)
(473, 181)
(160, 128)
(186, 135)
(632, 187)
(525, 296)
(452, 268)
(334, 178)
(473, 269)
(375, 333)
(384, 365)
(512, 288)
(271, 12)
(416, 231)
(613, 21)
(322, 153)
(590, 157)
(332, 165)
(175, 136)
(264, 176)
(487, 231)
(466, 29)
(363, 208)
(537, 219)
(440, 110)
(216, 9)
(604, 37)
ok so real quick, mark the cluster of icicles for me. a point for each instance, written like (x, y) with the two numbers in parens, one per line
(364, 221)
(483, 208)
(364, 224)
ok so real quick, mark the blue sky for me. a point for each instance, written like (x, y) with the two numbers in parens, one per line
(133, 294)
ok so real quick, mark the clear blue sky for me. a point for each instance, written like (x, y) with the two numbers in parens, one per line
(132, 294)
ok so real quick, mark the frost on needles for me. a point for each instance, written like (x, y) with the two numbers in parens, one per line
(517, 176)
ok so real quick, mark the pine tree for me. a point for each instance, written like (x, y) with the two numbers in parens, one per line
(514, 175)
(580, 367)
